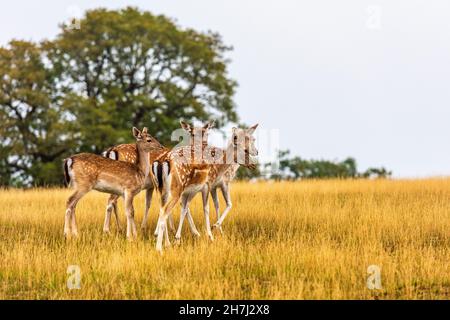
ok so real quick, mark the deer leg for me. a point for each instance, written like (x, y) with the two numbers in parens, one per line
(109, 208)
(67, 220)
(129, 209)
(226, 194)
(216, 201)
(184, 208)
(166, 234)
(116, 215)
(70, 225)
(185, 211)
(171, 223)
(192, 224)
(163, 215)
(164, 200)
(157, 227)
(148, 202)
(165, 194)
(205, 196)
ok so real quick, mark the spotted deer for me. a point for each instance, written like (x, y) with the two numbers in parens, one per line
(222, 172)
(198, 136)
(85, 172)
(183, 176)
(128, 153)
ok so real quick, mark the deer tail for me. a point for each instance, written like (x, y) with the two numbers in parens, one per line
(156, 176)
(165, 173)
(161, 173)
(111, 154)
(67, 165)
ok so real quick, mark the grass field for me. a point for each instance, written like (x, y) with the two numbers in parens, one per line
(302, 240)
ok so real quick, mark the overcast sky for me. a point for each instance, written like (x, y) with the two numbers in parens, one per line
(368, 79)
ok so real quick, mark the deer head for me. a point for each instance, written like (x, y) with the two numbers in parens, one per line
(244, 142)
(198, 133)
(145, 141)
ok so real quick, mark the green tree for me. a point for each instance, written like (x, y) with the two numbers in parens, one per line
(379, 173)
(32, 138)
(127, 67)
(245, 173)
(298, 168)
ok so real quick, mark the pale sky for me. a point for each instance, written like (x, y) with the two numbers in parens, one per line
(367, 79)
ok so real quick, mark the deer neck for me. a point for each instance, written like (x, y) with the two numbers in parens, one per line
(143, 161)
(229, 159)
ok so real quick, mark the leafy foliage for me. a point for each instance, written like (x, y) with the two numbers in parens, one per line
(32, 132)
(297, 168)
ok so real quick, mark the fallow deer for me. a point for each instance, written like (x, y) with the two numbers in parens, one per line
(223, 183)
(85, 172)
(198, 136)
(183, 179)
(128, 153)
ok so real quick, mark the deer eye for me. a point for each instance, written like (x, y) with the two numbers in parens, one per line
(149, 140)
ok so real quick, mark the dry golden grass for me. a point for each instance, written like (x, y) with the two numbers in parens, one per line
(302, 240)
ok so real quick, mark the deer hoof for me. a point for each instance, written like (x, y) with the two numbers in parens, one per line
(218, 227)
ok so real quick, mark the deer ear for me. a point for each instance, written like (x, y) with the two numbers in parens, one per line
(136, 132)
(210, 125)
(145, 130)
(185, 126)
(252, 129)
